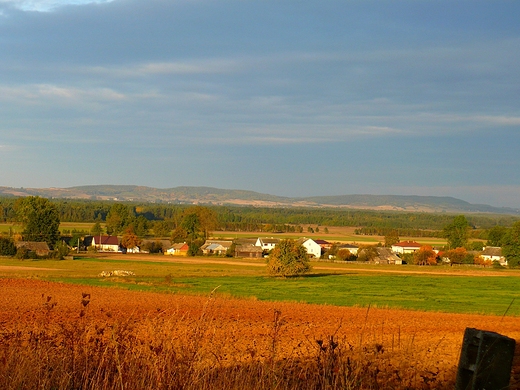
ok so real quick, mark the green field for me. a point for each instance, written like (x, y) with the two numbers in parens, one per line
(442, 289)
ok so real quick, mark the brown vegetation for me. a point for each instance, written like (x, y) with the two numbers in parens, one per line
(71, 337)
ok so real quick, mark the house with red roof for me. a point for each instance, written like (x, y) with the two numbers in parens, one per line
(103, 243)
(406, 247)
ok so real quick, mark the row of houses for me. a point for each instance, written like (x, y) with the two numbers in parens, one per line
(255, 247)
(489, 253)
(259, 247)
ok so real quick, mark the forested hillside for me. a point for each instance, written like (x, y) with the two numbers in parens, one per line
(247, 218)
(223, 197)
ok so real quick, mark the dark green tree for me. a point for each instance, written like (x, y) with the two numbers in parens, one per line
(457, 232)
(511, 246)
(7, 247)
(96, 230)
(119, 217)
(162, 228)
(40, 218)
(391, 238)
(195, 226)
(495, 235)
(288, 258)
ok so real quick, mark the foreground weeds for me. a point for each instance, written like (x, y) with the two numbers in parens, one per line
(84, 341)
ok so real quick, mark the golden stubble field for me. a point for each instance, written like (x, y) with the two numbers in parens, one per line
(55, 335)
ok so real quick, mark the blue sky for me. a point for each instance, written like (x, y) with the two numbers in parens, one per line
(289, 98)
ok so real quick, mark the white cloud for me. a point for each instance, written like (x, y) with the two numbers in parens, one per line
(7, 148)
(48, 5)
(46, 93)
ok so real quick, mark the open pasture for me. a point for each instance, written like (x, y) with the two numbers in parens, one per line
(62, 336)
(439, 288)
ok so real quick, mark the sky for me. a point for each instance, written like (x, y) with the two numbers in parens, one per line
(285, 97)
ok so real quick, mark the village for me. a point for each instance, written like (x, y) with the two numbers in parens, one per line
(259, 247)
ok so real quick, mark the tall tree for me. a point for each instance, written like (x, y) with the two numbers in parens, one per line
(196, 224)
(511, 245)
(96, 230)
(118, 218)
(40, 219)
(457, 232)
(495, 235)
(288, 258)
(391, 238)
(130, 239)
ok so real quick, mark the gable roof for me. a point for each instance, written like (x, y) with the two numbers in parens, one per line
(33, 246)
(322, 242)
(269, 240)
(386, 254)
(101, 240)
(492, 251)
(248, 248)
(180, 246)
(408, 244)
(216, 243)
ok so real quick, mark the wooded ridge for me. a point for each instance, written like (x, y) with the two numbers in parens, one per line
(216, 196)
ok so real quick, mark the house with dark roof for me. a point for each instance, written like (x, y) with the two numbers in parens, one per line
(40, 248)
(380, 255)
(493, 253)
(325, 245)
(248, 250)
(103, 243)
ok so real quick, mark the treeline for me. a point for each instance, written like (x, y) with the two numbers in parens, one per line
(236, 218)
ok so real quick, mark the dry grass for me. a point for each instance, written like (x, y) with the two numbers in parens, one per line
(56, 336)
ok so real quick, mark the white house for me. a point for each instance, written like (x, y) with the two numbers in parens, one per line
(103, 243)
(313, 248)
(494, 253)
(267, 243)
(349, 247)
(406, 247)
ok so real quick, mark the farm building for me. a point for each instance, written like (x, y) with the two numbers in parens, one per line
(248, 250)
(494, 253)
(267, 243)
(313, 249)
(216, 247)
(180, 249)
(406, 247)
(103, 243)
(40, 248)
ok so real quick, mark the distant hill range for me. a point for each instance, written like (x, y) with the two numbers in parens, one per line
(216, 196)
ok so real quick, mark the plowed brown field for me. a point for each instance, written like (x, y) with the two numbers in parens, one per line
(416, 349)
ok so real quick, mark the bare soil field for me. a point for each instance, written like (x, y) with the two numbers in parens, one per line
(393, 348)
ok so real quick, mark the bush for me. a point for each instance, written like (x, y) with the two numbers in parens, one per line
(24, 254)
(288, 258)
(61, 250)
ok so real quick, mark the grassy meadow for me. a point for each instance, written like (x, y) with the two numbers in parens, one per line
(438, 289)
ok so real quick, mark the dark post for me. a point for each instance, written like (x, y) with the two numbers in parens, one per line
(485, 361)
